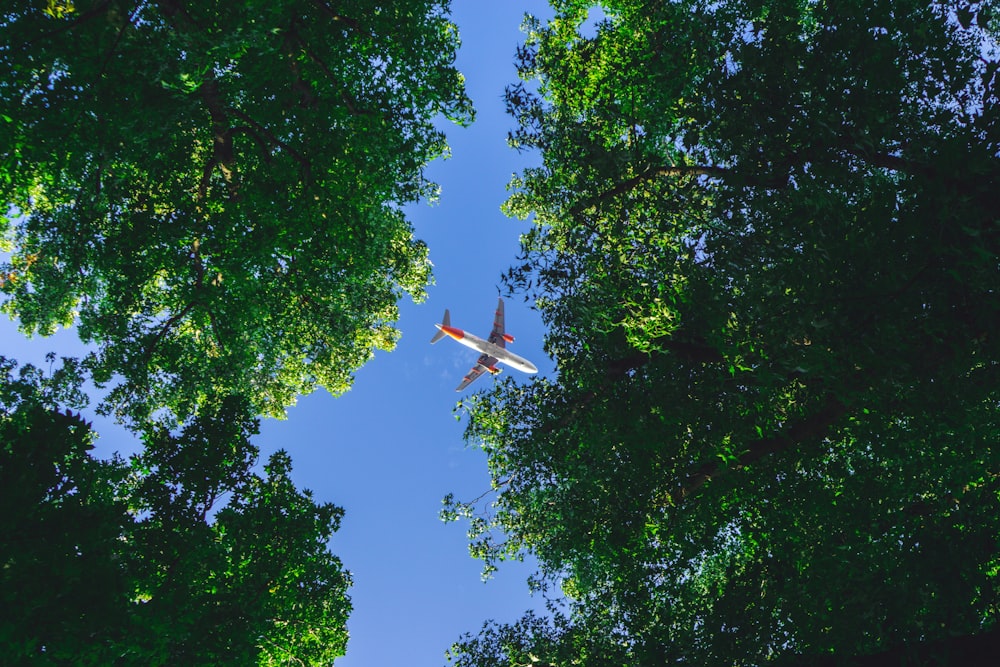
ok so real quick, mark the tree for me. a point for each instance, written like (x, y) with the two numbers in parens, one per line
(140, 562)
(765, 245)
(212, 192)
(248, 582)
(61, 578)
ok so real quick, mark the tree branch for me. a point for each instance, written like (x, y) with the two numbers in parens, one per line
(814, 427)
(118, 37)
(672, 171)
(340, 18)
(91, 13)
(275, 141)
(348, 101)
(692, 351)
(165, 328)
(264, 146)
(222, 137)
(216, 332)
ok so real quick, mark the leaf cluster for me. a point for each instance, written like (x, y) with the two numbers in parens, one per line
(212, 194)
(765, 243)
(182, 555)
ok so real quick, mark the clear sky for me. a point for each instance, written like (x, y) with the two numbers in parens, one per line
(390, 449)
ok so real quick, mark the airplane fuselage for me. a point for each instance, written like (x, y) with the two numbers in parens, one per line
(502, 354)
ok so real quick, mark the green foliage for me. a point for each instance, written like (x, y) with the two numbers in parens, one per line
(61, 576)
(212, 192)
(184, 555)
(765, 242)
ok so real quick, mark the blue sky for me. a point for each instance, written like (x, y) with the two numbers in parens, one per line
(390, 449)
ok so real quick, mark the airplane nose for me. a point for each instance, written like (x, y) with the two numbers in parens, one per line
(525, 366)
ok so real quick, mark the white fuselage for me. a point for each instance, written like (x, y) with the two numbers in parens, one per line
(502, 354)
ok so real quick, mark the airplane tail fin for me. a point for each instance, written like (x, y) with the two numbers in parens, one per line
(446, 322)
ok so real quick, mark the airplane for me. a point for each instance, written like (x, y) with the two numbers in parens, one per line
(493, 349)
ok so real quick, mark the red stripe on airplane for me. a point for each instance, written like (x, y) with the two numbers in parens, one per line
(455, 333)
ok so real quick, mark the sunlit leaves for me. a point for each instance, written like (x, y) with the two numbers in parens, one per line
(212, 193)
(186, 554)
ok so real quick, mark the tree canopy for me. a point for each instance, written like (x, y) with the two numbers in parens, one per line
(212, 191)
(212, 194)
(766, 247)
(182, 555)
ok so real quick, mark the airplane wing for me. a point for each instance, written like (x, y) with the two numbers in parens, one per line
(496, 336)
(483, 364)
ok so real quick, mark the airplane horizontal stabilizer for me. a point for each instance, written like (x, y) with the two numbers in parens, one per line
(445, 322)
